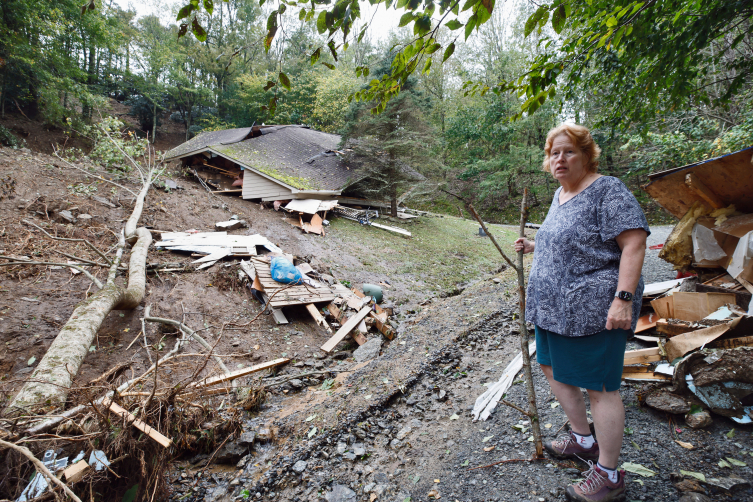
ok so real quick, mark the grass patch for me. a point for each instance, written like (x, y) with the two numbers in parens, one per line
(442, 253)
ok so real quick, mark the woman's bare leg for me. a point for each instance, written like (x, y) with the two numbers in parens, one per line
(609, 420)
(572, 402)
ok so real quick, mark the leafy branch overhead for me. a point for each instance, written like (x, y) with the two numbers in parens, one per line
(644, 52)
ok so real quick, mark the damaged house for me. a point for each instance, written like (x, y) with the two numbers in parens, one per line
(267, 163)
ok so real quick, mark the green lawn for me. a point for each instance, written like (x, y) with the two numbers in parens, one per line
(442, 253)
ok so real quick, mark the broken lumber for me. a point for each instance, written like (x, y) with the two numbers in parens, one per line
(382, 326)
(392, 229)
(75, 472)
(346, 328)
(318, 317)
(208, 382)
(142, 426)
(642, 356)
(697, 186)
(674, 329)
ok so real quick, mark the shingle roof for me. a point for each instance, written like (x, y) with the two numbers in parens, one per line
(295, 155)
(206, 139)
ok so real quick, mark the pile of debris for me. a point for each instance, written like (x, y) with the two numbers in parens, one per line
(701, 322)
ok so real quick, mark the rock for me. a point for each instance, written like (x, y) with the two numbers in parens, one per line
(299, 466)
(296, 383)
(729, 484)
(395, 444)
(341, 493)
(368, 350)
(694, 497)
(85, 218)
(341, 447)
(369, 487)
(233, 451)
(403, 433)
(341, 355)
(441, 396)
(359, 450)
(689, 485)
(359, 433)
(667, 402)
(103, 201)
(230, 225)
(698, 420)
(328, 279)
(349, 455)
(65, 216)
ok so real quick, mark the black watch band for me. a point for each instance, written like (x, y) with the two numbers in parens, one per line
(624, 295)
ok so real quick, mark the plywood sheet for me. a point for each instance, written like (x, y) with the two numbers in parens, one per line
(730, 177)
(696, 306)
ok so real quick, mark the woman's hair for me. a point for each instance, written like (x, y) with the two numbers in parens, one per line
(581, 137)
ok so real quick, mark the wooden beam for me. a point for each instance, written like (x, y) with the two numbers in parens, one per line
(673, 329)
(731, 343)
(226, 191)
(392, 229)
(143, 427)
(704, 192)
(642, 356)
(382, 326)
(318, 317)
(346, 328)
(208, 382)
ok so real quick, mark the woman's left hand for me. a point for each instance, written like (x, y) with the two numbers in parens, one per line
(620, 315)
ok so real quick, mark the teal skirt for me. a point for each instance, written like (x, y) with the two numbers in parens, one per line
(591, 362)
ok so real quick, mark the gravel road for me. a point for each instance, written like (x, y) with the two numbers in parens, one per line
(654, 268)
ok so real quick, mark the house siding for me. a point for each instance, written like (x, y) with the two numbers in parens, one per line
(259, 187)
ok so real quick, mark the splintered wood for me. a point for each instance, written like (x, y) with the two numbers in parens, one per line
(142, 426)
(346, 328)
(208, 382)
(282, 295)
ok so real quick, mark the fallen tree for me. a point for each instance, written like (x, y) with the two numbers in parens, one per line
(52, 378)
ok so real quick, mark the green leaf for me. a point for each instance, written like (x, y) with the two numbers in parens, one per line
(470, 25)
(738, 463)
(316, 55)
(209, 6)
(731, 434)
(312, 432)
(302, 15)
(270, 37)
(185, 11)
(427, 67)
(454, 24)
(328, 65)
(332, 49)
(638, 469)
(405, 19)
(183, 30)
(468, 4)
(696, 475)
(432, 48)
(694, 408)
(558, 19)
(422, 25)
(198, 31)
(285, 81)
(530, 25)
(321, 22)
(31, 361)
(130, 494)
(611, 22)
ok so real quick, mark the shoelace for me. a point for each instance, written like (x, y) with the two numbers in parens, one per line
(592, 480)
(562, 444)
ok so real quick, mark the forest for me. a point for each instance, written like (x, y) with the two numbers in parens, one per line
(469, 91)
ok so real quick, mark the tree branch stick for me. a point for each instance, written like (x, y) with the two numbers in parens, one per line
(530, 390)
(190, 333)
(77, 266)
(40, 467)
(91, 246)
(486, 231)
(94, 175)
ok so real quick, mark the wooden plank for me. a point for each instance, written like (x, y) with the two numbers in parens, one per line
(642, 356)
(697, 186)
(208, 382)
(731, 343)
(346, 329)
(226, 191)
(143, 427)
(645, 376)
(75, 472)
(696, 306)
(358, 337)
(663, 326)
(650, 339)
(646, 322)
(336, 312)
(663, 307)
(383, 327)
(392, 229)
(318, 317)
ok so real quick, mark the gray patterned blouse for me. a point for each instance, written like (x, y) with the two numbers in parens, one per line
(576, 260)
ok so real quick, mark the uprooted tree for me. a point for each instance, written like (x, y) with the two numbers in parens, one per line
(53, 376)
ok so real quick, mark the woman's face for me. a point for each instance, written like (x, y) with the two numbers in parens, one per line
(566, 160)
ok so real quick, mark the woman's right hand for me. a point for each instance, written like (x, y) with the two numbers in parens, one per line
(524, 244)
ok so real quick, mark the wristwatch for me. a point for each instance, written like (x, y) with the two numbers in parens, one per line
(624, 295)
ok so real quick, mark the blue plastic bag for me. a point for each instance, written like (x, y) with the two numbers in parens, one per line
(285, 272)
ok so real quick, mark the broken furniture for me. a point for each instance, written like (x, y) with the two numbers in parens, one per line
(310, 209)
(215, 245)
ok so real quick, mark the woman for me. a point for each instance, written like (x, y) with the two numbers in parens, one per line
(584, 297)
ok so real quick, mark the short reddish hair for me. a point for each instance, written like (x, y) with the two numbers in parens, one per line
(581, 137)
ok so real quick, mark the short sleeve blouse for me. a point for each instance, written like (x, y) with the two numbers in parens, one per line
(576, 261)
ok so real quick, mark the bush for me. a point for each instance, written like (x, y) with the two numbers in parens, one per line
(7, 138)
(107, 151)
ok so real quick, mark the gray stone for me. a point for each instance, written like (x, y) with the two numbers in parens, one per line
(341, 447)
(667, 402)
(359, 450)
(695, 497)
(66, 216)
(85, 217)
(299, 466)
(415, 422)
(698, 420)
(403, 433)
(103, 201)
(360, 433)
(369, 487)
(230, 225)
(395, 444)
(730, 484)
(233, 451)
(296, 383)
(368, 350)
(341, 493)
(441, 395)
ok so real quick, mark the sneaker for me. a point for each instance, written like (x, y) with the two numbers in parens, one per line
(568, 447)
(596, 487)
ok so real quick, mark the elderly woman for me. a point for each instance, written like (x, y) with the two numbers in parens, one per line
(584, 297)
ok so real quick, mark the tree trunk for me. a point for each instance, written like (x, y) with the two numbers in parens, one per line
(154, 125)
(393, 202)
(50, 381)
(188, 122)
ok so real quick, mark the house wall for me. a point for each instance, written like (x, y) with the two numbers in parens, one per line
(259, 187)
